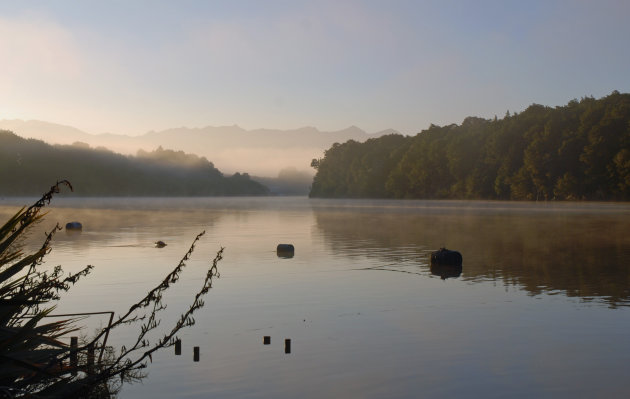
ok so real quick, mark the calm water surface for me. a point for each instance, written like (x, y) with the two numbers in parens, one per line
(540, 310)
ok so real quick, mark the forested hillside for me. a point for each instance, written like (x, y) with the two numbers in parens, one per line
(28, 165)
(574, 152)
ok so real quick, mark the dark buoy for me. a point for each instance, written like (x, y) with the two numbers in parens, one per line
(285, 250)
(160, 244)
(446, 257)
(74, 226)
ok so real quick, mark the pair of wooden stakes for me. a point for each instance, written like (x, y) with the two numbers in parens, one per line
(287, 343)
(178, 350)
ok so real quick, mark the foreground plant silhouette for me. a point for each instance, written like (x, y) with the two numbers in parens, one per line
(34, 362)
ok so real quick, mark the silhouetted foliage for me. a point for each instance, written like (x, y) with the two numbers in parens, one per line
(28, 165)
(577, 151)
(35, 361)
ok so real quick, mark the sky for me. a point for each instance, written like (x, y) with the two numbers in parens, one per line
(129, 67)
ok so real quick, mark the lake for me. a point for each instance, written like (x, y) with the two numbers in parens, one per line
(541, 309)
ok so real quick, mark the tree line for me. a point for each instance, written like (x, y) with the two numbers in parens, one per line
(27, 165)
(580, 151)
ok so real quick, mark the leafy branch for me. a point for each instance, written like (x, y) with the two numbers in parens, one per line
(33, 360)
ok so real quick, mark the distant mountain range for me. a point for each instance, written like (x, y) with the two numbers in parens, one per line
(263, 152)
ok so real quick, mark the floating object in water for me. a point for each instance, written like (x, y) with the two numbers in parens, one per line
(196, 354)
(287, 346)
(285, 250)
(76, 226)
(160, 244)
(266, 340)
(446, 257)
(178, 347)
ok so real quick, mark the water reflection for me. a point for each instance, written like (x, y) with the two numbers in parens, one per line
(106, 225)
(581, 251)
(72, 232)
(358, 331)
(446, 271)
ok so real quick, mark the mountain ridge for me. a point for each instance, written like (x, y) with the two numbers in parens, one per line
(232, 148)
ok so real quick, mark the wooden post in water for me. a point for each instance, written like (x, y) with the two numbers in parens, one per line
(178, 347)
(90, 358)
(196, 354)
(74, 355)
(287, 346)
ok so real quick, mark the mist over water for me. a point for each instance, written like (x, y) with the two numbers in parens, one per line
(260, 152)
(540, 309)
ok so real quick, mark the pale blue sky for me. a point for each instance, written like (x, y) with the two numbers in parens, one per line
(133, 66)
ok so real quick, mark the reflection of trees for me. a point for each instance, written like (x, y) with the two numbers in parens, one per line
(579, 252)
